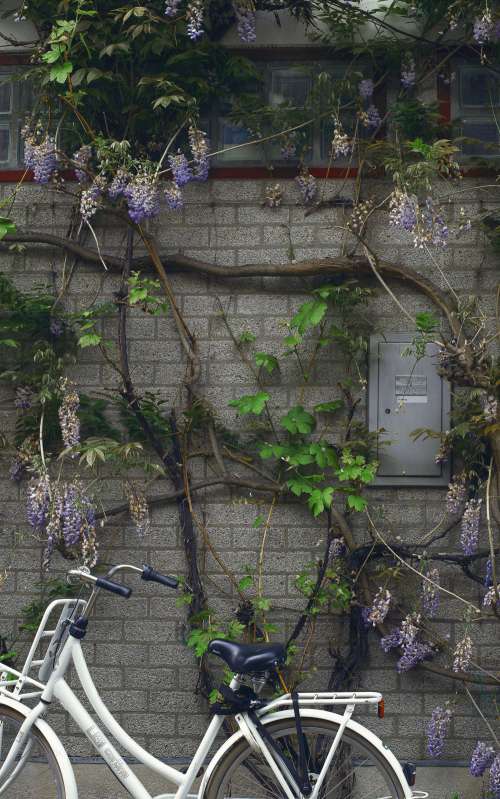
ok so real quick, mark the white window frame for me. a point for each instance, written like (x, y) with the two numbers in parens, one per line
(462, 113)
(13, 119)
(255, 155)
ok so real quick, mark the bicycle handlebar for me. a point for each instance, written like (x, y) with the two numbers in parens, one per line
(149, 574)
(115, 588)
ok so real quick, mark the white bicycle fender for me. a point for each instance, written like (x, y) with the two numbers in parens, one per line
(373, 739)
(55, 744)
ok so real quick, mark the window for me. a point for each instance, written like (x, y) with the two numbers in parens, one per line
(285, 86)
(14, 100)
(476, 110)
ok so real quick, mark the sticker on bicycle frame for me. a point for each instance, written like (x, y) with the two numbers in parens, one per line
(411, 389)
(110, 756)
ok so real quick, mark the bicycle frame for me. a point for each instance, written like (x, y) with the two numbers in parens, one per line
(56, 688)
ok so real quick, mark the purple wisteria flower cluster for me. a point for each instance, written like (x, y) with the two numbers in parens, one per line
(469, 534)
(430, 593)
(68, 415)
(138, 508)
(307, 186)
(24, 398)
(483, 28)
(288, 148)
(406, 638)
(341, 144)
(491, 596)
(366, 88)
(143, 197)
(427, 225)
(437, 730)
(38, 502)
(245, 18)
(482, 758)
(457, 494)
(65, 514)
(194, 16)
(494, 782)
(408, 72)
(380, 607)
(89, 202)
(41, 158)
(338, 548)
(403, 210)
(81, 158)
(173, 196)
(369, 117)
(200, 147)
(462, 655)
(181, 170)
(372, 118)
(118, 184)
(172, 7)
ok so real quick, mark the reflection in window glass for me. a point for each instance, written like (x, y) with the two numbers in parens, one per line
(290, 87)
(478, 88)
(4, 144)
(5, 97)
(233, 134)
(487, 135)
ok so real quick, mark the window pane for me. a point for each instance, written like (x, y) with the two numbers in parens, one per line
(5, 97)
(288, 86)
(231, 135)
(478, 88)
(4, 144)
(487, 135)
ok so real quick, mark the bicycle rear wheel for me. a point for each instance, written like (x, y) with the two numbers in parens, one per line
(358, 770)
(35, 774)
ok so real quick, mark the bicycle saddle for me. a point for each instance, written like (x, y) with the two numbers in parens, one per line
(244, 658)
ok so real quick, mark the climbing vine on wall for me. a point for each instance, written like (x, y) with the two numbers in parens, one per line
(156, 70)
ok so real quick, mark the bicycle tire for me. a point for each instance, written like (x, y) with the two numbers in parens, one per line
(41, 777)
(233, 774)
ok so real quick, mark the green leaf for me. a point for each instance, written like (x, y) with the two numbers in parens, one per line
(6, 226)
(60, 72)
(89, 340)
(8, 342)
(250, 403)
(292, 341)
(426, 322)
(356, 502)
(297, 420)
(299, 485)
(309, 315)
(257, 522)
(245, 582)
(265, 361)
(53, 55)
(94, 74)
(324, 455)
(320, 499)
(328, 407)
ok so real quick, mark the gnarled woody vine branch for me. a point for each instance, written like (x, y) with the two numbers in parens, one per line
(357, 265)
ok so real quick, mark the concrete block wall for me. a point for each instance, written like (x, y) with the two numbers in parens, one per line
(136, 649)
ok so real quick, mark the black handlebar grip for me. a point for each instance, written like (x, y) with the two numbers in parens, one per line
(149, 574)
(115, 588)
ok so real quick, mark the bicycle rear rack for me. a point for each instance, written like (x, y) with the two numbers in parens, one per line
(13, 681)
(326, 698)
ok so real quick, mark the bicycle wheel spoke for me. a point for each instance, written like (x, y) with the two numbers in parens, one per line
(357, 771)
(34, 772)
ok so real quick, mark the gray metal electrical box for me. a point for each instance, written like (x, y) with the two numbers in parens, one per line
(406, 393)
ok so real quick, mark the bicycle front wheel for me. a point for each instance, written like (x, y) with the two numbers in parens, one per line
(35, 774)
(357, 771)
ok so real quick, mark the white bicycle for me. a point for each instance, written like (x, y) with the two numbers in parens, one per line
(292, 747)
